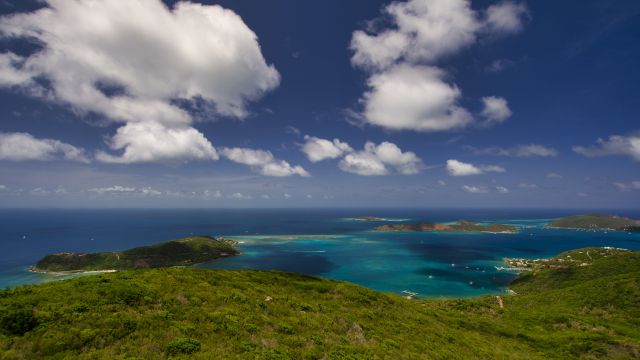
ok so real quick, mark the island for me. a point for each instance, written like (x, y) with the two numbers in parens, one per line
(574, 311)
(596, 222)
(460, 226)
(181, 252)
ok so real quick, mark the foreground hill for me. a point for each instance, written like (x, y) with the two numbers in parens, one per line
(187, 251)
(460, 226)
(597, 221)
(569, 311)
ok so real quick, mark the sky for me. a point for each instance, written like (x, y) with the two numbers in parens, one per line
(241, 103)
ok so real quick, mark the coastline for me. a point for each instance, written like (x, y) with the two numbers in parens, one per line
(71, 272)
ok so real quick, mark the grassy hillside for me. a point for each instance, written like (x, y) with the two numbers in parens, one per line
(596, 221)
(185, 251)
(573, 311)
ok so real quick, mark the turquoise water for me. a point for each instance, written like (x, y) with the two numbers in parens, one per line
(316, 242)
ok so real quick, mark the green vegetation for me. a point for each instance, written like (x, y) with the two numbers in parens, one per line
(187, 251)
(597, 221)
(462, 225)
(572, 311)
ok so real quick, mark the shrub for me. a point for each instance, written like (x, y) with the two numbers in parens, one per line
(183, 346)
(17, 321)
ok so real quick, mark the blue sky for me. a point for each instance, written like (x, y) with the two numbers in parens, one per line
(426, 103)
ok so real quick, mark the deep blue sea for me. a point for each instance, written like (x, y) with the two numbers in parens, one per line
(323, 242)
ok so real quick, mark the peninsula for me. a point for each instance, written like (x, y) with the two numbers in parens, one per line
(181, 252)
(596, 222)
(460, 226)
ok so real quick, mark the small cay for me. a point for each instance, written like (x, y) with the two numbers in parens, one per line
(181, 252)
(596, 222)
(460, 226)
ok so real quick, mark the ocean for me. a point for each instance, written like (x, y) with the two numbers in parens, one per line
(323, 242)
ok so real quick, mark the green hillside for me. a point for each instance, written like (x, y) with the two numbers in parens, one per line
(187, 251)
(588, 308)
(597, 221)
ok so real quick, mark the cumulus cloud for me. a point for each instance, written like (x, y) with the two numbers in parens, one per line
(318, 149)
(459, 168)
(134, 62)
(263, 162)
(152, 141)
(496, 110)
(553, 175)
(475, 189)
(517, 151)
(502, 189)
(24, 147)
(405, 95)
(378, 159)
(614, 145)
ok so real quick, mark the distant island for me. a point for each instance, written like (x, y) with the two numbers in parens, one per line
(462, 225)
(181, 252)
(596, 222)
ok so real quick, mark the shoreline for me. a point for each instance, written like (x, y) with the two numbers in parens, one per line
(71, 272)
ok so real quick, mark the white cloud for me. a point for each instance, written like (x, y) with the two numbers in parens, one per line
(318, 149)
(517, 151)
(493, 168)
(39, 191)
(615, 145)
(414, 98)
(3, 187)
(240, 196)
(23, 147)
(376, 160)
(152, 142)
(496, 110)
(134, 61)
(208, 194)
(149, 191)
(475, 189)
(426, 30)
(502, 189)
(402, 94)
(265, 197)
(459, 168)
(505, 17)
(634, 185)
(553, 175)
(116, 189)
(263, 162)
(442, 183)
(287, 196)
(499, 65)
